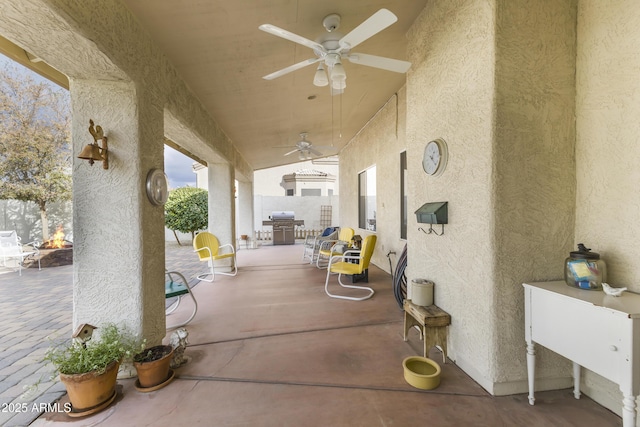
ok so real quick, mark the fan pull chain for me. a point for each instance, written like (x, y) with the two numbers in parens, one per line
(332, 120)
(340, 133)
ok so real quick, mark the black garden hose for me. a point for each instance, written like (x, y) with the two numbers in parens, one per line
(400, 279)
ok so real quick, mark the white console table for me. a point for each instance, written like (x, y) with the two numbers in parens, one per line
(592, 329)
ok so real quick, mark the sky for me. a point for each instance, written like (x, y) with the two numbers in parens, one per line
(177, 166)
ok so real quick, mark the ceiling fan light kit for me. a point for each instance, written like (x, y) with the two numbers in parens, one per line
(304, 155)
(334, 48)
(338, 85)
(320, 79)
(338, 73)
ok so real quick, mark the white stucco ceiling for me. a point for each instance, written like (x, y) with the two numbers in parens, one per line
(218, 50)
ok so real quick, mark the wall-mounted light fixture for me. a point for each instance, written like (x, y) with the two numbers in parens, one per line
(94, 152)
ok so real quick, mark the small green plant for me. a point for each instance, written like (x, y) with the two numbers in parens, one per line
(113, 344)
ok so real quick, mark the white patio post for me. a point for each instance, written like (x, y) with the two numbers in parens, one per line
(118, 234)
(245, 209)
(222, 202)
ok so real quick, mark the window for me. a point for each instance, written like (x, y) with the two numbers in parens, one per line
(311, 192)
(403, 195)
(367, 199)
(290, 192)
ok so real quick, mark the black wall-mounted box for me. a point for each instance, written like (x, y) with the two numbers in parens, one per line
(433, 213)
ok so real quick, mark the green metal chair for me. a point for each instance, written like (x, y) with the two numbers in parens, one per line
(176, 286)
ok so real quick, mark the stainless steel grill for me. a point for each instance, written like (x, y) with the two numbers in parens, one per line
(283, 223)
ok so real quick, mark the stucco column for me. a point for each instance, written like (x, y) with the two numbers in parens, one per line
(245, 208)
(118, 259)
(222, 202)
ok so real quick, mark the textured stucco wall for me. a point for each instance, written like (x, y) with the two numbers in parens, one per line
(450, 95)
(125, 83)
(118, 245)
(222, 207)
(534, 171)
(379, 143)
(496, 81)
(244, 209)
(607, 148)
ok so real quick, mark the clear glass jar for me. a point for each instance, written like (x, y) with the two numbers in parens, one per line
(584, 269)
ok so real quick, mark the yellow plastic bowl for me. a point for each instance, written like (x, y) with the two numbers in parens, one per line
(421, 372)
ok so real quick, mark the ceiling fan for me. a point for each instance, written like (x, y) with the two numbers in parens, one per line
(304, 148)
(331, 49)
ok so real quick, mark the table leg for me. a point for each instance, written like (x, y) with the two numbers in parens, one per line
(436, 336)
(628, 411)
(442, 340)
(406, 325)
(576, 380)
(426, 343)
(531, 370)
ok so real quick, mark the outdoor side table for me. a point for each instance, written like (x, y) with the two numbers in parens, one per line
(433, 323)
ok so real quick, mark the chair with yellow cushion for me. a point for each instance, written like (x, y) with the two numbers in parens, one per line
(332, 247)
(351, 264)
(208, 248)
(312, 243)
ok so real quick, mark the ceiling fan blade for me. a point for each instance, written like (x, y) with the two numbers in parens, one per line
(291, 152)
(315, 152)
(291, 68)
(372, 26)
(379, 62)
(276, 31)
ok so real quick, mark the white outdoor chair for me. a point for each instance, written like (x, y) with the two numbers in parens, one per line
(209, 249)
(312, 243)
(11, 249)
(328, 248)
(176, 286)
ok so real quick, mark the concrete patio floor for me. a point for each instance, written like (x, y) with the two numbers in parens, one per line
(269, 348)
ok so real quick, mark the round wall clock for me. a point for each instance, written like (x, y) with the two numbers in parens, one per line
(434, 160)
(157, 187)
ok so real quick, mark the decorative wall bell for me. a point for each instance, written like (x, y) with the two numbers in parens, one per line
(94, 152)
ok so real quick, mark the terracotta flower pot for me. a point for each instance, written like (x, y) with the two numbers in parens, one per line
(153, 367)
(90, 390)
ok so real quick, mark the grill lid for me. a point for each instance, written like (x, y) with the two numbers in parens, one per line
(282, 215)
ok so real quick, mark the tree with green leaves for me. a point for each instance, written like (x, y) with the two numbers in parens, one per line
(35, 151)
(187, 211)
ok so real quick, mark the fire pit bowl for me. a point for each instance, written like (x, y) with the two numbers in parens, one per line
(56, 251)
(57, 241)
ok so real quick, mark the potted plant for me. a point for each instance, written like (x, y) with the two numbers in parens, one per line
(89, 367)
(153, 367)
